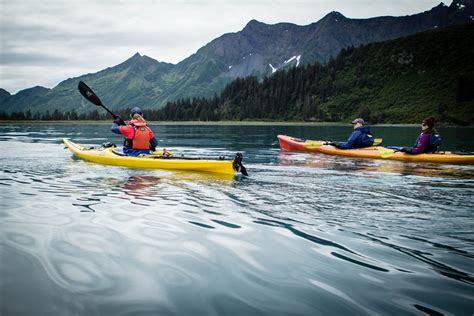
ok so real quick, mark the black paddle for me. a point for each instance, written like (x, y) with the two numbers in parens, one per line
(92, 97)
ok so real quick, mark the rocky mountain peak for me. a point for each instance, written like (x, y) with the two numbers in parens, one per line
(253, 25)
(135, 58)
(4, 92)
(333, 15)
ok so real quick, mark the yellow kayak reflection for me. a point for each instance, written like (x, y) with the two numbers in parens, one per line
(362, 165)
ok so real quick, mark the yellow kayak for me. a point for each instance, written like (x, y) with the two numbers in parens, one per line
(106, 155)
(374, 152)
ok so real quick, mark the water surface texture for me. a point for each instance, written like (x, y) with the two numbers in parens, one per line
(305, 234)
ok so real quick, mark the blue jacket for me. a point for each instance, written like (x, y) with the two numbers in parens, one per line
(360, 137)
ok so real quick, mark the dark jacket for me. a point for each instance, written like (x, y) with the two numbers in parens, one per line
(360, 137)
(426, 143)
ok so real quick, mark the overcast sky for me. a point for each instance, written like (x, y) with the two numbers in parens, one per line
(46, 41)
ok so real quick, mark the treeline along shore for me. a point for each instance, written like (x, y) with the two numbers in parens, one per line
(398, 81)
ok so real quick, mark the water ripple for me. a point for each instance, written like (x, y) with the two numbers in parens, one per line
(305, 234)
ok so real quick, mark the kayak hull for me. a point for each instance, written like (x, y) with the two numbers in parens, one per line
(105, 156)
(289, 143)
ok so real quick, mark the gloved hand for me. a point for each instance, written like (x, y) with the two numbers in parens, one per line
(331, 143)
(406, 150)
(119, 121)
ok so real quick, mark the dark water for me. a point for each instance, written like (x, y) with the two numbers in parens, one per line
(305, 234)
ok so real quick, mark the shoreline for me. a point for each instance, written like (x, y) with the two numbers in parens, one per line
(223, 123)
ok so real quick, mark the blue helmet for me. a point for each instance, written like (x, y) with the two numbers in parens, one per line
(136, 110)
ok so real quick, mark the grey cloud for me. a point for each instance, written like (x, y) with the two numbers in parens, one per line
(31, 59)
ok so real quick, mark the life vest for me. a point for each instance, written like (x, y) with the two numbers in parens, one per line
(141, 137)
(365, 139)
(435, 142)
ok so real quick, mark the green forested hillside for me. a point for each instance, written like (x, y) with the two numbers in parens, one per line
(402, 80)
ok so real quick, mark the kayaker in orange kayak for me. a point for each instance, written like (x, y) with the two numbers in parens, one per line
(360, 137)
(428, 141)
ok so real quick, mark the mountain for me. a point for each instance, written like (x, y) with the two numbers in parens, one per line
(259, 49)
(134, 81)
(401, 80)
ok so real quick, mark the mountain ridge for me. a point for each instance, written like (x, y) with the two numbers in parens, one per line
(258, 49)
(401, 80)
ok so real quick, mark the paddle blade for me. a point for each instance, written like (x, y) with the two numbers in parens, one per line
(238, 166)
(314, 143)
(385, 152)
(377, 141)
(243, 170)
(89, 94)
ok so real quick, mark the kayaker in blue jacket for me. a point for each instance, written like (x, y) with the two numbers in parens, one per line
(360, 137)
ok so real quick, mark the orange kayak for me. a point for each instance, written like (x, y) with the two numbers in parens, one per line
(375, 152)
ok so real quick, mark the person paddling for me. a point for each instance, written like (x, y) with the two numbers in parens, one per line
(139, 138)
(428, 141)
(360, 137)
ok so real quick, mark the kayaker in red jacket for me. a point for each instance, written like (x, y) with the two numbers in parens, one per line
(428, 141)
(139, 138)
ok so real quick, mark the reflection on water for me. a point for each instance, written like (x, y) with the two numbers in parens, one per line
(296, 237)
(317, 160)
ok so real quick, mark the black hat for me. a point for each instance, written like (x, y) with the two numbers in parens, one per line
(136, 110)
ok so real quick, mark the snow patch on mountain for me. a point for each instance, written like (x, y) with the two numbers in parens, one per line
(289, 60)
(298, 58)
(273, 68)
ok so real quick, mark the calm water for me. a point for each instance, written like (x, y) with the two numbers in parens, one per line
(305, 234)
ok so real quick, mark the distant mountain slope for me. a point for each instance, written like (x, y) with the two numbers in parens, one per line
(259, 49)
(134, 81)
(401, 80)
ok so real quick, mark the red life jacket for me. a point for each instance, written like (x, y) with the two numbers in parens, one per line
(141, 136)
